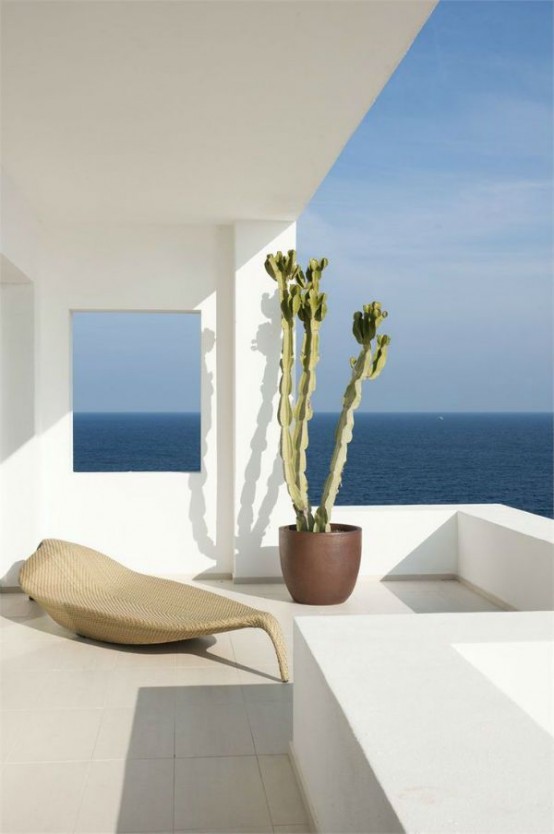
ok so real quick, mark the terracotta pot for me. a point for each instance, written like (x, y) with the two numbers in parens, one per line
(320, 568)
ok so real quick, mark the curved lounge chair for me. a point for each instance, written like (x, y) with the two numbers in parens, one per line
(89, 593)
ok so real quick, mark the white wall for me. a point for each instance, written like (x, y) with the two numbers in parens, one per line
(341, 789)
(19, 451)
(18, 448)
(220, 520)
(261, 499)
(19, 231)
(166, 523)
(405, 541)
(509, 554)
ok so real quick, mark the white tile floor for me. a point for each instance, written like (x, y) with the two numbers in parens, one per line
(187, 737)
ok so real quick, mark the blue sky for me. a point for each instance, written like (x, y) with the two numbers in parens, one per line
(440, 206)
(136, 362)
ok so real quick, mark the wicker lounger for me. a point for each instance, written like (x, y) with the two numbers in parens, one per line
(93, 595)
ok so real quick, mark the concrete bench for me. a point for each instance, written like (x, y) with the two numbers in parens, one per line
(437, 723)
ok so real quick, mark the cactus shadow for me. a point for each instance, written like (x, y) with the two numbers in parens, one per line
(251, 525)
(197, 480)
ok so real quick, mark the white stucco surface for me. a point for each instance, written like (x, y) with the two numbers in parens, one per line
(179, 112)
(19, 449)
(509, 554)
(405, 541)
(155, 522)
(438, 723)
(261, 502)
(19, 234)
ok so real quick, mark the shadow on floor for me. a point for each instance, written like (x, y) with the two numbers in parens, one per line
(194, 762)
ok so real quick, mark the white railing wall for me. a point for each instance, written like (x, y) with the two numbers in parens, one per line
(508, 554)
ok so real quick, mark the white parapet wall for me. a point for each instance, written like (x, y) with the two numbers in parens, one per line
(508, 554)
(405, 541)
(437, 723)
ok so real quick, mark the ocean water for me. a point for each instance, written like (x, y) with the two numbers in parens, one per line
(136, 442)
(393, 458)
(440, 459)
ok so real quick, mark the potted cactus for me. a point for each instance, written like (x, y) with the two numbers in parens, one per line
(320, 560)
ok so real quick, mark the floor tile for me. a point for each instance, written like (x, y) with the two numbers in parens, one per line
(128, 796)
(21, 688)
(271, 726)
(41, 624)
(74, 689)
(252, 677)
(266, 829)
(149, 657)
(151, 688)
(220, 794)
(9, 729)
(42, 797)
(36, 656)
(250, 642)
(20, 633)
(54, 735)
(190, 697)
(282, 693)
(283, 795)
(58, 655)
(461, 598)
(205, 651)
(216, 675)
(80, 654)
(213, 729)
(127, 733)
(17, 605)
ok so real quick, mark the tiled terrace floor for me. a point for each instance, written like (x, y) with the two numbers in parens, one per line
(186, 737)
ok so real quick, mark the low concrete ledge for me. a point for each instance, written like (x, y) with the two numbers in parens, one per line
(440, 723)
(508, 554)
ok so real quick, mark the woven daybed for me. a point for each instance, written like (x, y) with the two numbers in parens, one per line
(93, 595)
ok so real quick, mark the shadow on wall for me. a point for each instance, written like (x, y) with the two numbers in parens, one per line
(251, 526)
(435, 555)
(197, 480)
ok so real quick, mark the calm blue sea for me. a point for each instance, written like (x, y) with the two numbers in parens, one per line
(393, 458)
(136, 442)
(440, 459)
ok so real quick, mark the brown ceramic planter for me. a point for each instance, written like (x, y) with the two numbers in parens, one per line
(320, 568)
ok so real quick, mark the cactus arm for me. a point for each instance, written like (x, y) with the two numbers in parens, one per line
(343, 436)
(282, 269)
(285, 413)
(303, 409)
(366, 366)
(311, 312)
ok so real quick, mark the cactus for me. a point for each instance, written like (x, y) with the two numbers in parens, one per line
(300, 296)
(311, 312)
(284, 269)
(366, 366)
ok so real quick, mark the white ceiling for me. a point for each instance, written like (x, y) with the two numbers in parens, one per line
(172, 111)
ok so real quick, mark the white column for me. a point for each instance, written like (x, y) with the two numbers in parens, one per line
(260, 500)
(18, 442)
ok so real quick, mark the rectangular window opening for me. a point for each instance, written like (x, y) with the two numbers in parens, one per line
(136, 391)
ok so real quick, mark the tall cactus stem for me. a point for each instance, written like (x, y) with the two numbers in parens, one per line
(364, 367)
(282, 269)
(284, 414)
(303, 409)
(343, 436)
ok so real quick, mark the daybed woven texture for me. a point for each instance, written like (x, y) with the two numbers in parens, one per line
(95, 596)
